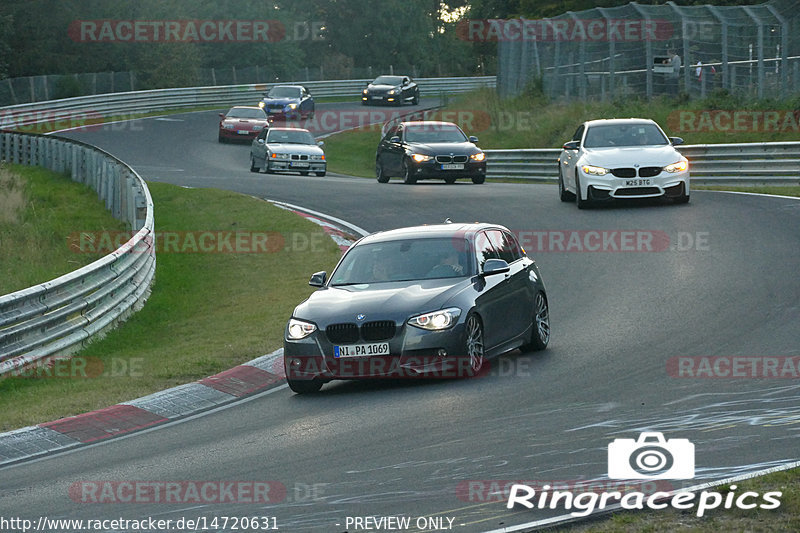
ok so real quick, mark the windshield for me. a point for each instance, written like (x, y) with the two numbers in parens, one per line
(434, 134)
(290, 137)
(246, 113)
(607, 135)
(284, 92)
(403, 260)
(388, 80)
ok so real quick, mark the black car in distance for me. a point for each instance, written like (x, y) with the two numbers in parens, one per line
(391, 90)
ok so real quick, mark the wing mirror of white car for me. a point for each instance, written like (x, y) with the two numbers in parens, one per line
(260, 141)
(394, 139)
(473, 139)
(572, 145)
(676, 140)
(495, 266)
(321, 143)
(318, 279)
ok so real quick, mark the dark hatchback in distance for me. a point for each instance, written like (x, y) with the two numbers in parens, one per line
(420, 301)
(429, 149)
(392, 90)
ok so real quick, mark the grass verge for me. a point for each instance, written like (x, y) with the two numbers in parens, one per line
(207, 312)
(39, 211)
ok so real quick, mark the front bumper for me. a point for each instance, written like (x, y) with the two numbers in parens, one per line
(238, 134)
(414, 353)
(433, 170)
(386, 99)
(296, 166)
(609, 187)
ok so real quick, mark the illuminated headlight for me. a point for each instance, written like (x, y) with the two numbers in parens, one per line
(317, 157)
(365, 92)
(299, 329)
(480, 156)
(680, 166)
(597, 171)
(438, 320)
(393, 91)
(261, 105)
(279, 156)
(420, 158)
(292, 106)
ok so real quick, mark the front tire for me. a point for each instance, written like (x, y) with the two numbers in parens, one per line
(477, 180)
(450, 181)
(304, 386)
(415, 99)
(320, 174)
(474, 344)
(579, 201)
(683, 197)
(304, 172)
(563, 193)
(253, 167)
(408, 178)
(540, 334)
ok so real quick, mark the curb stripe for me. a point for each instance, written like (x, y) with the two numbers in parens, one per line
(104, 423)
(241, 380)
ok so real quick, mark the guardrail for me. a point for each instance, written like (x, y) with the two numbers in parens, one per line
(56, 318)
(773, 163)
(104, 105)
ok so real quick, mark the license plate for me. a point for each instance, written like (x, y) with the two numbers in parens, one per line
(636, 183)
(242, 132)
(274, 111)
(303, 164)
(376, 97)
(453, 166)
(361, 350)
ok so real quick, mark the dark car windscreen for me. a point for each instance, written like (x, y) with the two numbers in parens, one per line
(257, 114)
(404, 260)
(614, 135)
(388, 80)
(290, 137)
(284, 92)
(434, 134)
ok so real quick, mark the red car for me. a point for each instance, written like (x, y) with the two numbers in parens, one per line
(242, 122)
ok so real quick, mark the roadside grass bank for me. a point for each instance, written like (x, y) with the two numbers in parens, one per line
(208, 311)
(531, 121)
(39, 211)
(784, 518)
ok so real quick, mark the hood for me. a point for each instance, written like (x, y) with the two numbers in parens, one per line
(460, 148)
(628, 156)
(245, 123)
(309, 149)
(382, 87)
(280, 101)
(396, 301)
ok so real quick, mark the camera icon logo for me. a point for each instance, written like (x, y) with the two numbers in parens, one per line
(651, 457)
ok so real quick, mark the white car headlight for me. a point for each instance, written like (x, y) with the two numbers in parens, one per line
(597, 171)
(437, 320)
(421, 158)
(279, 156)
(317, 157)
(680, 166)
(299, 329)
(480, 156)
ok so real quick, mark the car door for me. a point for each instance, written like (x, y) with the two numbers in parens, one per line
(569, 159)
(495, 296)
(520, 305)
(259, 147)
(407, 89)
(306, 102)
(394, 151)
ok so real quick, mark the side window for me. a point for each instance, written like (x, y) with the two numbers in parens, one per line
(501, 244)
(391, 133)
(578, 133)
(512, 245)
(484, 250)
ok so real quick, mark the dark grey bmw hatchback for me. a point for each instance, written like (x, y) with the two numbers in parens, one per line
(420, 301)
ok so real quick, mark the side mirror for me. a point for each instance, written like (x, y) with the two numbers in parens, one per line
(495, 266)
(473, 139)
(318, 279)
(394, 139)
(260, 141)
(676, 140)
(222, 115)
(572, 145)
(320, 143)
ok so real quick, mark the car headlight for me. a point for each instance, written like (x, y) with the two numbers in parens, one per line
(261, 105)
(299, 329)
(597, 171)
(279, 156)
(365, 92)
(227, 126)
(317, 157)
(420, 158)
(680, 166)
(393, 91)
(437, 320)
(292, 106)
(480, 156)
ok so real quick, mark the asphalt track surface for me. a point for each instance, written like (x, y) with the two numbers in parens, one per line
(725, 285)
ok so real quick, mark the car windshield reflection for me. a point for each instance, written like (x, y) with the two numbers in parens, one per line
(246, 113)
(616, 135)
(403, 260)
(290, 137)
(434, 135)
(388, 80)
(284, 92)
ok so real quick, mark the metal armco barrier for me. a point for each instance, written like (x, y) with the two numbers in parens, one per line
(74, 110)
(774, 163)
(56, 318)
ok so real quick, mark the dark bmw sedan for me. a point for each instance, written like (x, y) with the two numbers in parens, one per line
(391, 90)
(421, 301)
(428, 149)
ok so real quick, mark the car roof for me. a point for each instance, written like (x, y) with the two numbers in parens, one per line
(428, 123)
(613, 121)
(289, 129)
(452, 230)
(292, 86)
(247, 107)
